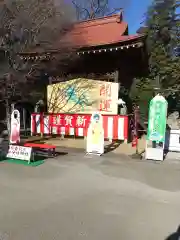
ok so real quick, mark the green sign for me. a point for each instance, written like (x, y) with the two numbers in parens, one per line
(157, 119)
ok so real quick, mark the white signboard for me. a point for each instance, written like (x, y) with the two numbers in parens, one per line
(19, 152)
(173, 140)
(95, 135)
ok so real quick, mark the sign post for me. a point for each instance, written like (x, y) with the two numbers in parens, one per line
(15, 127)
(95, 135)
(156, 128)
(19, 152)
(135, 128)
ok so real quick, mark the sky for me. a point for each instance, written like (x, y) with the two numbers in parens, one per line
(133, 11)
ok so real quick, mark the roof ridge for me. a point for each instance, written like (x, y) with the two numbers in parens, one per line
(117, 16)
(96, 24)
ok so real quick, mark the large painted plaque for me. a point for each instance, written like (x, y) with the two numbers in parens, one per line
(83, 96)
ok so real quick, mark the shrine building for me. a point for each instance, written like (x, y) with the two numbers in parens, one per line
(106, 52)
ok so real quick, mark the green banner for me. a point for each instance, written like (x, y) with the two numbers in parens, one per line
(157, 119)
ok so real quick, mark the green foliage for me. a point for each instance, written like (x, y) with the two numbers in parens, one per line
(163, 24)
(162, 38)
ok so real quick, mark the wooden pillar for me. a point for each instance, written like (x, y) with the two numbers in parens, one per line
(50, 80)
(116, 76)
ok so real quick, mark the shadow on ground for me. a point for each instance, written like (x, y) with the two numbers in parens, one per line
(175, 235)
(107, 149)
(112, 146)
(44, 153)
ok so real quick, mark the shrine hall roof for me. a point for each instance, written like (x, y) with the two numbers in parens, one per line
(100, 31)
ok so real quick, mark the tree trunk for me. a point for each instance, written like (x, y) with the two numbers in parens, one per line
(8, 117)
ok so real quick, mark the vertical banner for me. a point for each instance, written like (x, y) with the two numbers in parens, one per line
(15, 127)
(157, 119)
(95, 135)
(156, 128)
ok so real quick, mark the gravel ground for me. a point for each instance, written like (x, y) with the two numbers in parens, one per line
(77, 197)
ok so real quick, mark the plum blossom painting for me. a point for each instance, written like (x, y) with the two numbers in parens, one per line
(82, 96)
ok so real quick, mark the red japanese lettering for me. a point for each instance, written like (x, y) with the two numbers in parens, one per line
(102, 90)
(68, 120)
(105, 90)
(56, 120)
(81, 121)
(105, 105)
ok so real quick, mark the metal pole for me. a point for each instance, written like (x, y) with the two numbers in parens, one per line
(24, 120)
(157, 88)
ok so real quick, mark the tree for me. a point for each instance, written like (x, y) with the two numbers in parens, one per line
(25, 25)
(162, 38)
(162, 31)
(90, 9)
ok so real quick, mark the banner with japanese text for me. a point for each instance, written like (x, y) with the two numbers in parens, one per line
(115, 126)
(70, 120)
(157, 119)
(83, 96)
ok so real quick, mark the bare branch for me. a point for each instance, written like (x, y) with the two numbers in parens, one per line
(97, 8)
(24, 26)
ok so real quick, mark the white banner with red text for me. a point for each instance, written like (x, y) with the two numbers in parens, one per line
(115, 126)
